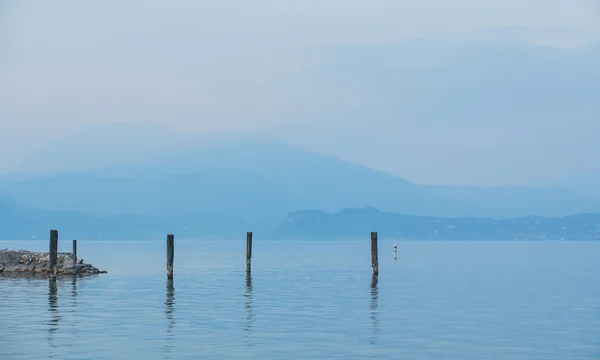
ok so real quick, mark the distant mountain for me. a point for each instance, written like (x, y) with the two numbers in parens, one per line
(100, 148)
(244, 176)
(233, 193)
(358, 223)
(148, 170)
(518, 201)
(588, 184)
(21, 223)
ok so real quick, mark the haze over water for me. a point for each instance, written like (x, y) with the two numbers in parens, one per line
(440, 300)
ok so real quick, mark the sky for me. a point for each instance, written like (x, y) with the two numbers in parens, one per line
(496, 92)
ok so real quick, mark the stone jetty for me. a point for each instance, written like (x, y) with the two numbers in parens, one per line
(23, 261)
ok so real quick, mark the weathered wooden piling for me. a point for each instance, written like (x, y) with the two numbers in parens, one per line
(75, 256)
(170, 255)
(374, 255)
(395, 252)
(248, 253)
(53, 252)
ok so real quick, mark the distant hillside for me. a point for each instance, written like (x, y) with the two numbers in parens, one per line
(244, 176)
(22, 223)
(357, 223)
(148, 170)
(518, 201)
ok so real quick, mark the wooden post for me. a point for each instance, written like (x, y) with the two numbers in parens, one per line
(53, 252)
(248, 253)
(75, 256)
(170, 255)
(374, 257)
(395, 252)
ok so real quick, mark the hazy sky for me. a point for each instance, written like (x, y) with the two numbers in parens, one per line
(485, 92)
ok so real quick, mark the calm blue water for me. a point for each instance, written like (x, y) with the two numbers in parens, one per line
(440, 300)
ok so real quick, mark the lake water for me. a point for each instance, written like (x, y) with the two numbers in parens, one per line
(439, 300)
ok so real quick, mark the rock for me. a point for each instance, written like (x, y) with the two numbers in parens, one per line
(39, 263)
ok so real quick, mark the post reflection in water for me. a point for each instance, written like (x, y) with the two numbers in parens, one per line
(54, 313)
(374, 305)
(74, 301)
(248, 307)
(169, 310)
(74, 288)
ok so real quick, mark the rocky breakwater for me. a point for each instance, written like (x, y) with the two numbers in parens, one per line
(39, 263)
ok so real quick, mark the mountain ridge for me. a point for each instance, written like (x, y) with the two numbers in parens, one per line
(21, 223)
(245, 176)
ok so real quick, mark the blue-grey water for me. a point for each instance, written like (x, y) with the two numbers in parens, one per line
(439, 300)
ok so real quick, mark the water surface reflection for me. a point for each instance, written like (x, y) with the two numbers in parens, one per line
(318, 307)
(374, 311)
(169, 312)
(248, 307)
(54, 315)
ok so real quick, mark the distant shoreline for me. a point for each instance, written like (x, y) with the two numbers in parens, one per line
(314, 225)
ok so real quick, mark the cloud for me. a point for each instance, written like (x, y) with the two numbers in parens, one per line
(243, 24)
(233, 47)
(388, 22)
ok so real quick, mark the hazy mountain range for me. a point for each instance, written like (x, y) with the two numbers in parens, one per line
(141, 182)
(357, 223)
(147, 170)
(19, 222)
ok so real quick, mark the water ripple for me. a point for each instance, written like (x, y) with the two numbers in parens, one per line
(437, 301)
